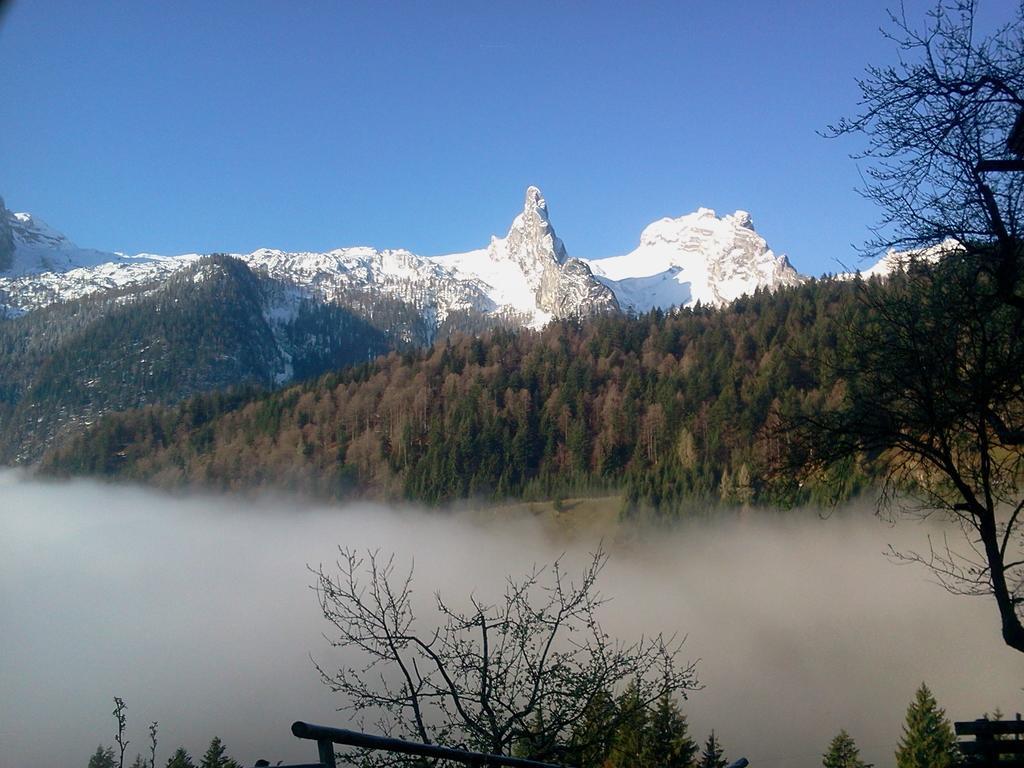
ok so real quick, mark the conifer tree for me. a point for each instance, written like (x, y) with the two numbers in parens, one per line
(670, 743)
(103, 757)
(631, 746)
(843, 753)
(594, 734)
(928, 740)
(181, 759)
(216, 756)
(713, 755)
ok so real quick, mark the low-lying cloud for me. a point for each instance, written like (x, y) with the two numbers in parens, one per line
(197, 611)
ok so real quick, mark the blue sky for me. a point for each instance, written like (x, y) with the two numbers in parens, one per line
(197, 126)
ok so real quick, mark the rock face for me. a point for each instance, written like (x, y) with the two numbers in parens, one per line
(531, 241)
(573, 291)
(6, 239)
(697, 257)
(559, 286)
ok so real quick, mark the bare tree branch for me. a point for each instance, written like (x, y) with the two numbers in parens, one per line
(524, 669)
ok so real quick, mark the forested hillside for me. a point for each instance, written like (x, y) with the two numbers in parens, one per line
(671, 408)
(204, 329)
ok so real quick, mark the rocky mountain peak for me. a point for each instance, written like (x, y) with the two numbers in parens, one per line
(696, 257)
(531, 241)
(557, 285)
(535, 204)
(742, 219)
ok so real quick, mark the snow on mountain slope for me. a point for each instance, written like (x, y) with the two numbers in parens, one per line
(530, 270)
(697, 257)
(526, 276)
(34, 290)
(38, 247)
(396, 273)
(897, 261)
(43, 266)
(321, 276)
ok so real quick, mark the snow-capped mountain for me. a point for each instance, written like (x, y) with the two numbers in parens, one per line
(525, 277)
(898, 261)
(697, 257)
(30, 246)
(106, 331)
(529, 269)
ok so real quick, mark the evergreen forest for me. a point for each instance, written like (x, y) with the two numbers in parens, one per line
(674, 410)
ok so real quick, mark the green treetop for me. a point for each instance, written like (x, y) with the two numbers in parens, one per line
(103, 757)
(671, 745)
(216, 756)
(713, 755)
(843, 753)
(928, 739)
(181, 759)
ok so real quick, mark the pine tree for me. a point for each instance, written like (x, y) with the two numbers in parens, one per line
(140, 762)
(103, 757)
(181, 759)
(594, 733)
(843, 753)
(928, 739)
(713, 755)
(216, 756)
(671, 745)
(631, 745)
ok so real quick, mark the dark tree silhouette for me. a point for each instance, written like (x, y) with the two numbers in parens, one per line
(152, 743)
(713, 755)
(119, 715)
(180, 759)
(103, 757)
(671, 745)
(932, 389)
(217, 757)
(525, 672)
(951, 104)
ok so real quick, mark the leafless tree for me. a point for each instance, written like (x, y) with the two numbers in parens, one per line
(119, 715)
(152, 744)
(931, 364)
(517, 673)
(930, 122)
(930, 369)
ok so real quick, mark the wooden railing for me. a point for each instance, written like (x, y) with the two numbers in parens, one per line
(326, 738)
(996, 743)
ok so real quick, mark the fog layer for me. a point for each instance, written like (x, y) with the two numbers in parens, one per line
(197, 611)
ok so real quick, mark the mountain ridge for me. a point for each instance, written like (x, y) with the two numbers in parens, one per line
(85, 332)
(527, 275)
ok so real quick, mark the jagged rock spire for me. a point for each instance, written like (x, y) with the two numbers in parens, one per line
(531, 240)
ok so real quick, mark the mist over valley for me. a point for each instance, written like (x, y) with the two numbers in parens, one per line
(196, 609)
